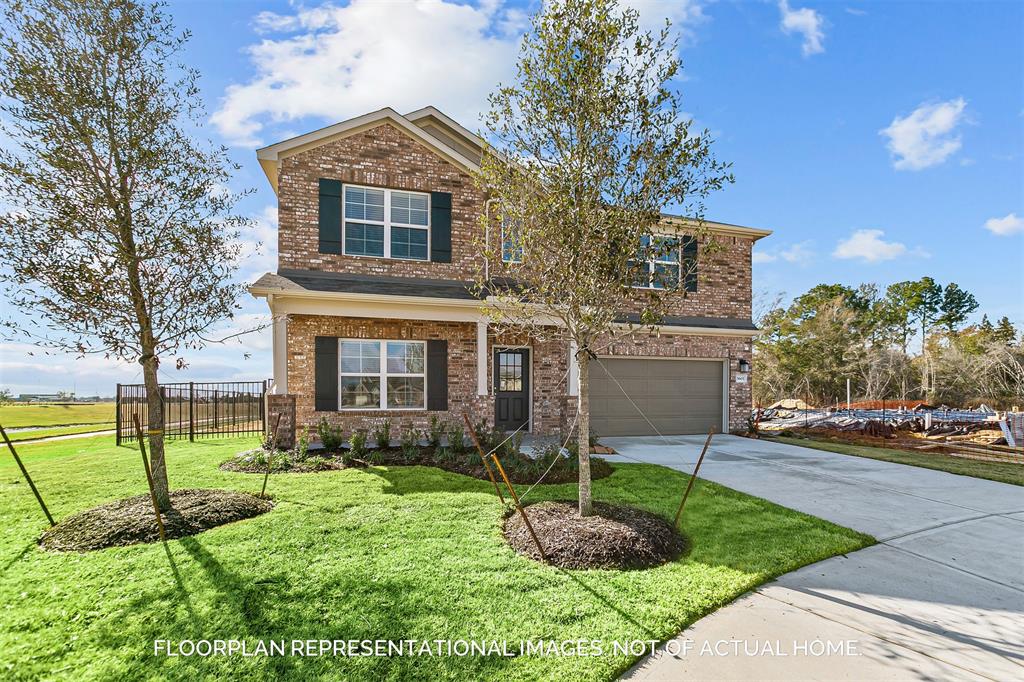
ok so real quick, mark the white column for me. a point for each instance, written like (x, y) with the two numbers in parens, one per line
(574, 370)
(481, 357)
(280, 332)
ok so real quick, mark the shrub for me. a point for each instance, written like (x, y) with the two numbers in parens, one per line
(382, 433)
(302, 446)
(513, 444)
(356, 445)
(331, 436)
(375, 457)
(437, 428)
(410, 442)
(456, 439)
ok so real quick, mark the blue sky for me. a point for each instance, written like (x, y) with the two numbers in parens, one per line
(880, 141)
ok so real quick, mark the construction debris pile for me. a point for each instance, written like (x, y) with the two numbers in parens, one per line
(920, 427)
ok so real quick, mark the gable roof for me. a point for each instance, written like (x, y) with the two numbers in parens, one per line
(271, 156)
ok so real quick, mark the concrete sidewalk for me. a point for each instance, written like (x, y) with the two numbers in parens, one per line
(940, 597)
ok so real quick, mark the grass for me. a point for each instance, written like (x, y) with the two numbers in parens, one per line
(18, 415)
(47, 432)
(1004, 472)
(380, 553)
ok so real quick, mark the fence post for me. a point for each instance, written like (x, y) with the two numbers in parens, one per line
(216, 400)
(191, 411)
(117, 416)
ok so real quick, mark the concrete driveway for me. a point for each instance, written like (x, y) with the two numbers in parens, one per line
(940, 597)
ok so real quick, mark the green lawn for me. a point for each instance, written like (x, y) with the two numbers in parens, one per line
(46, 432)
(18, 415)
(1003, 472)
(383, 553)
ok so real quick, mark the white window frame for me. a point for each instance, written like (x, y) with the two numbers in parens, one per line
(655, 261)
(504, 226)
(383, 375)
(387, 224)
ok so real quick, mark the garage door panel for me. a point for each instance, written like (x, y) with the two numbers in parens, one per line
(676, 396)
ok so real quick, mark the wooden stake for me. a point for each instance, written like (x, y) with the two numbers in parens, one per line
(24, 472)
(483, 458)
(270, 457)
(149, 479)
(522, 512)
(693, 478)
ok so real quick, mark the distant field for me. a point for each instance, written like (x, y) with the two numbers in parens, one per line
(48, 414)
(49, 431)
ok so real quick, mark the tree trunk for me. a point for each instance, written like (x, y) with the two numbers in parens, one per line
(155, 403)
(583, 438)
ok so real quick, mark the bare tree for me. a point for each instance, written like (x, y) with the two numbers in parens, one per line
(121, 237)
(590, 143)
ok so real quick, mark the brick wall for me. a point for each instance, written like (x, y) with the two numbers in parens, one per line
(552, 407)
(282, 406)
(384, 156)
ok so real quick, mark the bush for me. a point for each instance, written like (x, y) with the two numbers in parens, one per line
(375, 457)
(456, 439)
(382, 433)
(302, 446)
(410, 442)
(437, 429)
(356, 445)
(331, 436)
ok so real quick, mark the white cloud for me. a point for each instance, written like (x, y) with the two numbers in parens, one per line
(339, 62)
(259, 246)
(1007, 225)
(336, 62)
(684, 15)
(868, 245)
(926, 136)
(806, 22)
(797, 254)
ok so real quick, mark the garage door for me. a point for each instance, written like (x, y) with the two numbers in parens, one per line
(677, 396)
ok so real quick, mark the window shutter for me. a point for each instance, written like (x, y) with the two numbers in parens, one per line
(690, 264)
(326, 384)
(441, 227)
(437, 375)
(330, 216)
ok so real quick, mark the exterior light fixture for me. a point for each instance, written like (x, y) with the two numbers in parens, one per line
(744, 365)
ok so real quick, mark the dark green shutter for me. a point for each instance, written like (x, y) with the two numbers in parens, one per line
(330, 216)
(326, 363)
(437, 375)
(690, 264)
(441, 227)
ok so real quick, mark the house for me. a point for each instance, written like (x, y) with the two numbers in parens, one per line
(374, 316)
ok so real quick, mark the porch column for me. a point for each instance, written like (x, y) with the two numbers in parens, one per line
(574, 370)
(481, 357)
(280, 340)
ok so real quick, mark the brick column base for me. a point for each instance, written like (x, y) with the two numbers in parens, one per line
(283, 405)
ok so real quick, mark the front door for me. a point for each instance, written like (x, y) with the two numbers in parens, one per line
(511, 388)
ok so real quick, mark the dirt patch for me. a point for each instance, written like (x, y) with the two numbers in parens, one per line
(521, 469)
(130, 521)
(615, 537)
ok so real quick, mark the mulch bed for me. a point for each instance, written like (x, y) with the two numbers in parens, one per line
(522, 470)
(615, 537)
(130, 521)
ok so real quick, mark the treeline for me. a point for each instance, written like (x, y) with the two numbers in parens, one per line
(910, 342)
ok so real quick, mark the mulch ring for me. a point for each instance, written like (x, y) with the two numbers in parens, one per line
(614, 537)
(131, 521)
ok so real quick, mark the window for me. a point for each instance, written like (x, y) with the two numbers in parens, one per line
(379, 375)
(511, 251)
(659, 260)
(386, 223)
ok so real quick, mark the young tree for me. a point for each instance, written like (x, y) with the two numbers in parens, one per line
(590, 144)
(121, 236)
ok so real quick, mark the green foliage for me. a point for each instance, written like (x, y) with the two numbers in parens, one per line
(302, 445)
(410, 444)
(330, 435)
(356, 446)
(382, 433)
(456, 438)
(437, 429)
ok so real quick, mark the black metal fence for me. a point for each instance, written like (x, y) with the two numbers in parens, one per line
(196, 410)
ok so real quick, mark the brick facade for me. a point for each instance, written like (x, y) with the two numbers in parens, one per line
(385, 156)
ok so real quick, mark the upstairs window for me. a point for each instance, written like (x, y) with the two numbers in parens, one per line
(662, 262)
(386, 223)
(511, 249)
